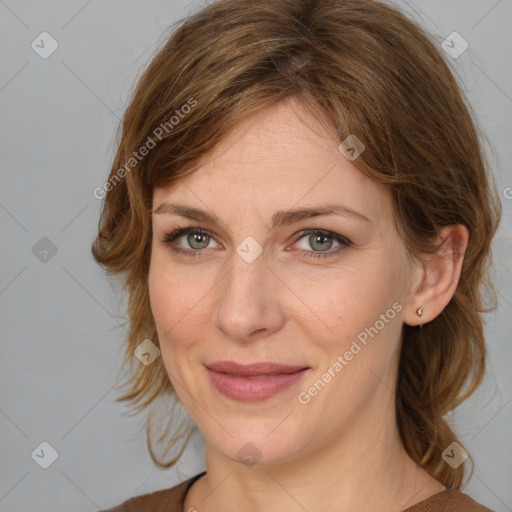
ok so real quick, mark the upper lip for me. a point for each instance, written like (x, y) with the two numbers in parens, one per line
(254, 369)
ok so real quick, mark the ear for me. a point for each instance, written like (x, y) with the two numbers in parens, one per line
(436, 280)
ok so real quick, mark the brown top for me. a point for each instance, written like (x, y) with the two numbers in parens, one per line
(172, 500)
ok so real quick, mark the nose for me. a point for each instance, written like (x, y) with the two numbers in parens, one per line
(248, 306)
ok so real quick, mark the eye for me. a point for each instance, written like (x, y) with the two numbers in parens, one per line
(321, 241)
(199, 240)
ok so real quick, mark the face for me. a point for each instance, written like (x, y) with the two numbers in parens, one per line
(279, 332)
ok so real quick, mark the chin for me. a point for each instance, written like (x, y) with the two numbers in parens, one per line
(257, 452)
(255, 441)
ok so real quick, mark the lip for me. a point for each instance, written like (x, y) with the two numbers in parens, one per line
(234, 380)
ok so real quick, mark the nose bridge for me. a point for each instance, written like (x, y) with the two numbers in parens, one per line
(247, 301)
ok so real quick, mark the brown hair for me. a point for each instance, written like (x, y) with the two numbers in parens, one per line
(363, 68)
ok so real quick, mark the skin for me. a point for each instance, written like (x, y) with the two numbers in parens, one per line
(286, 308)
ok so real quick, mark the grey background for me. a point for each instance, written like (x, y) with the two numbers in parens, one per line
(63, 321)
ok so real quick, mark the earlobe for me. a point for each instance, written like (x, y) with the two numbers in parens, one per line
(440, 277)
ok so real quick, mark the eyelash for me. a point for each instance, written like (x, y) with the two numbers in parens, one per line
(171, 237)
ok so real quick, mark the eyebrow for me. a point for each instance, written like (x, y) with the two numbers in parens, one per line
(280, 218)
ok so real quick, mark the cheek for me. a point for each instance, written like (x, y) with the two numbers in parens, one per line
(362, 311)
(162, 297)
(169, 306)
(169, 289)
(177, 298)
(168, 298)
(354, 299)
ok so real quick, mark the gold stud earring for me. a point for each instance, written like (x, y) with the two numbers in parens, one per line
(419, 311)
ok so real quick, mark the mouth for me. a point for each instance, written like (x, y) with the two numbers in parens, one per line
(253, 382)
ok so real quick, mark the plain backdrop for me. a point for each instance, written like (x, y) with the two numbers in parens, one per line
(63, 321)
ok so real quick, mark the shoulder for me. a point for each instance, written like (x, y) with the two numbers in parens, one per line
(164, 500)
(451, 500)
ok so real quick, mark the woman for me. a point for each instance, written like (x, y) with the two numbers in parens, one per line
(301, 211)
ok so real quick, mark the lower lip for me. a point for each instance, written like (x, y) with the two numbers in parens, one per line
(253, 390)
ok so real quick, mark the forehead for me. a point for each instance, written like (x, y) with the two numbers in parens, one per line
(282, 157)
